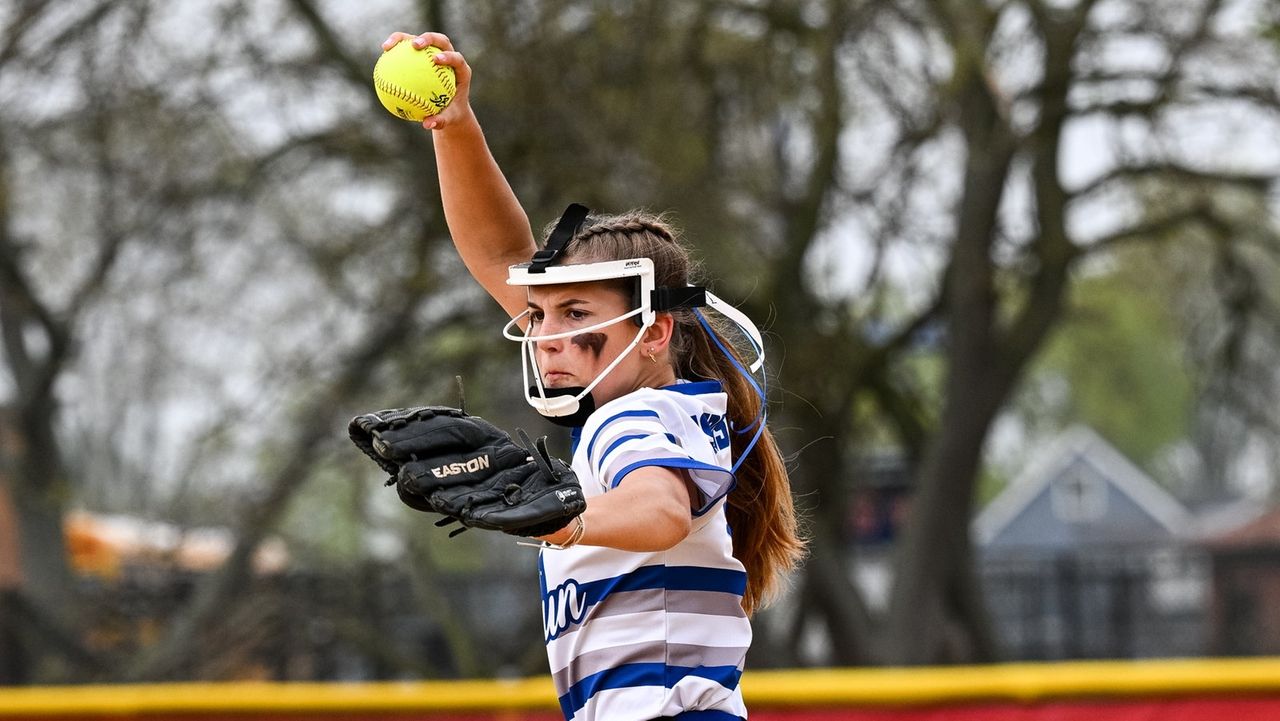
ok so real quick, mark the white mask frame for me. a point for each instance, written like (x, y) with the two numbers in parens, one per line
(652, 300)
(525, 275)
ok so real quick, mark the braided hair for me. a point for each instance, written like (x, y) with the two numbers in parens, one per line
(759, 510)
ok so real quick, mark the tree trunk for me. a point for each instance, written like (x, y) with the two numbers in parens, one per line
(934, 587)
(936, 539)
(44, 584)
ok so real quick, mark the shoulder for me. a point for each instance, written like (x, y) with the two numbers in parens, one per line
(669, 408)
(681, 426)
(681, 399)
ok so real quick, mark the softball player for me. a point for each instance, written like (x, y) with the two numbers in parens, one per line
(689, 524)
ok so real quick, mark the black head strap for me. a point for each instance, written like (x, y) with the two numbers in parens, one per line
(668, 298)
(568, 225)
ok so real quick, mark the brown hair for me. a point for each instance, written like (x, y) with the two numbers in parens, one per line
(760, 511)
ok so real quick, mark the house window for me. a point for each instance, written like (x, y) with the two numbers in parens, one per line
(1079, 495)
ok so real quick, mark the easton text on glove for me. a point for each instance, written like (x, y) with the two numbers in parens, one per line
(461, 466)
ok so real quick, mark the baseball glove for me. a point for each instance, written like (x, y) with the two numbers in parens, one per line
(444, 461)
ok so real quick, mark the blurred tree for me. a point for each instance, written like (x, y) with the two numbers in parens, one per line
(205, 293)
(1164, 347)
(765, 152)
(1022, 77)
(54, 266)
(1230, 316)
(895, 186)
(1118, 363)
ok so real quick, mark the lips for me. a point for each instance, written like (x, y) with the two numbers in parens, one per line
(554, 378)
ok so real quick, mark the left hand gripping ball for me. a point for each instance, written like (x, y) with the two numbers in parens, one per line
(410, 84)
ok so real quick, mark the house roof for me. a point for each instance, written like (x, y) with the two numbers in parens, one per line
(1067, 449)
(1263, 530)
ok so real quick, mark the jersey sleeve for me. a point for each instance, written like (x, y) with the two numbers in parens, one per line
(651, 431)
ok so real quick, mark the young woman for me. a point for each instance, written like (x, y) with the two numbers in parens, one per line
(689, 526)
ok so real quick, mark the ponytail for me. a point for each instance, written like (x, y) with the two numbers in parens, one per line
(759, 509)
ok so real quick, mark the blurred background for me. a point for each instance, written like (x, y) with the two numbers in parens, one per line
(1018, 263)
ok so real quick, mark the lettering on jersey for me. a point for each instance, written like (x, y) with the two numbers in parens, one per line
(562, 607)
(717, 430)
(478, 463)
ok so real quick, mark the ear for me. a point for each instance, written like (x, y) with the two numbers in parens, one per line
(658, 335)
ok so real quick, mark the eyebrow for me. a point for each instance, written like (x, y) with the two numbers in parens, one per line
(562, 304)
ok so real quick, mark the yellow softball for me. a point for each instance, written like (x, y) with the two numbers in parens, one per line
(410, 84)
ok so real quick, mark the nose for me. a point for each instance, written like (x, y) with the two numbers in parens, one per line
(547, 347)
(549, 327)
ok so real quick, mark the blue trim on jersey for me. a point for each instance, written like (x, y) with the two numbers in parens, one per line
(695, 388)
(708, 716)
(599, 468)
(624, 414)
(642, 674)
(575, 435)
(619, 441)
(542, 577)
(669, 578)
(685, 463)
(759, 422)
(676, 462)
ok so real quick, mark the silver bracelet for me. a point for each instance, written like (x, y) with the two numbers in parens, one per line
(574, 537)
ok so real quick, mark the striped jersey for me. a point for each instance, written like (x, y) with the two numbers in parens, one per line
(636, 636)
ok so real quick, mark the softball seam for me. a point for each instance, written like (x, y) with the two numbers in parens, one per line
(399, 92)
(446, 78)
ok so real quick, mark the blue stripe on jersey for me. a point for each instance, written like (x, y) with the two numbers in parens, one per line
(624, 414)
(695, 388)
(599, 467)
(642, 674)
(670, 578)
(575, 435)
(707, 716)
(618, 442)
(687, 463)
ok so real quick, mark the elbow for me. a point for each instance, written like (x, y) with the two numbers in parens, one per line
(676, 525)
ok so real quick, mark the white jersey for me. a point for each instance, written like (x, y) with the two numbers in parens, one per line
(636, 636)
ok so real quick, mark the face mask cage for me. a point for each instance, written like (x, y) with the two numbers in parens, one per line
(568, 402)
(571, 406)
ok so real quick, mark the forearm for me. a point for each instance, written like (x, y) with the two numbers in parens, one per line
(648, 512)
(485, 219)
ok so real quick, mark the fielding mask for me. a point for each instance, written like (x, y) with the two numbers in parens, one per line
(571, 406)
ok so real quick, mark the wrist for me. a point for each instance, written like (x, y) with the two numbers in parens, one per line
(569, 536)
(462, 121)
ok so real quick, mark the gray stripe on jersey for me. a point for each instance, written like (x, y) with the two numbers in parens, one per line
(679, 654)
(607, 658)
(706, 603)
(651, 652)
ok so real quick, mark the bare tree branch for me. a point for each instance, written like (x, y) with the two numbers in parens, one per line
(1156, 228)
(1175, 173)
(1263, 99)
(315, 424)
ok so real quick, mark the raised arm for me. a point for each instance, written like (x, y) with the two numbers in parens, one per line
(489, 228)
